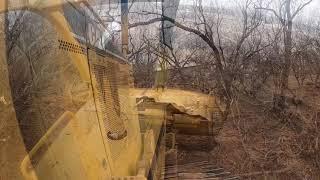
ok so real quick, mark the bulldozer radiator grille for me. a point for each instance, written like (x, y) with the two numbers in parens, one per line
(107, 91)
(109, 104)
(111, 82)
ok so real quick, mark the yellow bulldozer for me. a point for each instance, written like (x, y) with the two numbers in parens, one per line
(68, 105)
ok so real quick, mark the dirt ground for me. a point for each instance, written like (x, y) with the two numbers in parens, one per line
(257, 143)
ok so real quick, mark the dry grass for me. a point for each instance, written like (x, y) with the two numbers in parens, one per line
(257, 143)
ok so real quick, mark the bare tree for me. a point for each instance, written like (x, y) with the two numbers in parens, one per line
(285, 12)
(228, 56)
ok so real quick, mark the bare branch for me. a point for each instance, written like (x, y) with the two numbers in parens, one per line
(300, 8)
(274, 12)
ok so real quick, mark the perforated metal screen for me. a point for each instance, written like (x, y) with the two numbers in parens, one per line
(108, 96)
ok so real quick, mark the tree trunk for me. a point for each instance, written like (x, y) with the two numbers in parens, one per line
(287, 31)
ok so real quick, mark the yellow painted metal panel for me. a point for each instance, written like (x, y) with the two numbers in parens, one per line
(12, 149)
(125, 152)
(70, 140)
(193, 102)
(71, 149)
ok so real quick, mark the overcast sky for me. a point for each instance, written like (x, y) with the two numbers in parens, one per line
(312, 10)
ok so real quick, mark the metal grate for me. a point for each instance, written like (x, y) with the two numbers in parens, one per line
(67, 46)
(109, 100)
(112, 82)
